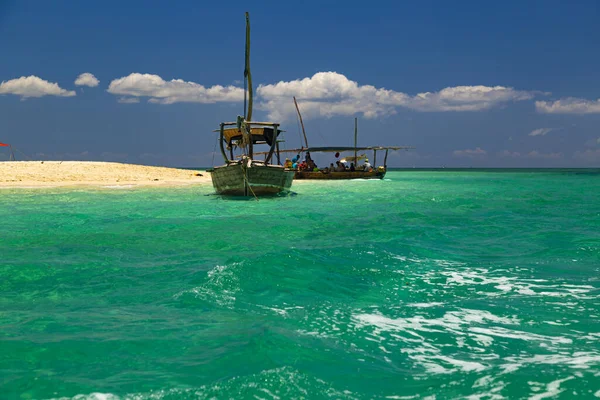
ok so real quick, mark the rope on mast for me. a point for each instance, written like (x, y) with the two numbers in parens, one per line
(301, 122)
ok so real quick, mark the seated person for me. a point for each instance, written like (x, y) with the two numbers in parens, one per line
(340, 167)
(367, 166)
(287, 163)
(352, 167)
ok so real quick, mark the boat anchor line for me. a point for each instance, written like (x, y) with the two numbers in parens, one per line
(247, 182)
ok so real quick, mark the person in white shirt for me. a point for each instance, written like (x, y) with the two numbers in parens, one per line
(367, 165)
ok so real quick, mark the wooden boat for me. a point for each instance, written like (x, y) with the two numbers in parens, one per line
(245, 175)
(360, 172)
(324, 173)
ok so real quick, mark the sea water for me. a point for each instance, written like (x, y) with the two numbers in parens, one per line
(427, 284)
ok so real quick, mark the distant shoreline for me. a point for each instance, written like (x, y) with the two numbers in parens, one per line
(48, 174)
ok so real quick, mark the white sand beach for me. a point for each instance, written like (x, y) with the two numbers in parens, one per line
(93, 173)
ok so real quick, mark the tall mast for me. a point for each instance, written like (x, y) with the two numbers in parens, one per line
(301, 123)
(355, 138)
(247, 74)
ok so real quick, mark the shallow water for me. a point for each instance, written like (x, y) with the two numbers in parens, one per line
(428, 283)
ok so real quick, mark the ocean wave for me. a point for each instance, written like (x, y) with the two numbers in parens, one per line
(220, 288)
(278, 383)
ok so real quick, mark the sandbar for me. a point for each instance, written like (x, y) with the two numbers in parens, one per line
(34, 174)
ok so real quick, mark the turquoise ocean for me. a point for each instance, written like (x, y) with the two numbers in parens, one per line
(427, 284)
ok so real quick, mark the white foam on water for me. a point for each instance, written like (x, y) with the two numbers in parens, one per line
(520, 335)
(490, 386)
(425, 352)
(221, 286)
(504, 285)
(476, 330)
(91, 396)
(277, 383)
(552, 389)
(425, 305)
(577, 360)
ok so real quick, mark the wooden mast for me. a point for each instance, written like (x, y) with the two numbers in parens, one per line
(301, 123)
(248, 78)
(355, 140)
(247, 74)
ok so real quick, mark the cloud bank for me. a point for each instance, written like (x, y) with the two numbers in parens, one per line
(326, 94)
(174, 91)
(532, 155)
(87, 79)
(33, 86)
(470, 153)
(540, 131)
(569, 105)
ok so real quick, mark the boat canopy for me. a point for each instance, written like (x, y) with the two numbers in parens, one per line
(261, 132)
(341, 149)
(259, 135)
(353, 159)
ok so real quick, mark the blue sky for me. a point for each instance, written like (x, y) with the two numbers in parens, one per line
(504, 84)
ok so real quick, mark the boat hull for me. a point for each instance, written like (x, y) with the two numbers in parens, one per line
(238, 179)
(339, 175)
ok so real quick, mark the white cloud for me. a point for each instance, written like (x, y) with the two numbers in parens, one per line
(32, 86)
(540, 131)
(588, 156)
(87, 79)
(325, 94)
(471, 153)
(174, 91)
(535, 155)
(569, 105)
(329, 93)
(128, 100)
(468, 98)
(545, 156)
(510, 154)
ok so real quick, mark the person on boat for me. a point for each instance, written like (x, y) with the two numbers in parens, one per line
(331, 167)
(340, 167)
(367, 166)
(352, 167)
(287, 163)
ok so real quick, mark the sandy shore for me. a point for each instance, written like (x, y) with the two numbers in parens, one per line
(92, 173)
